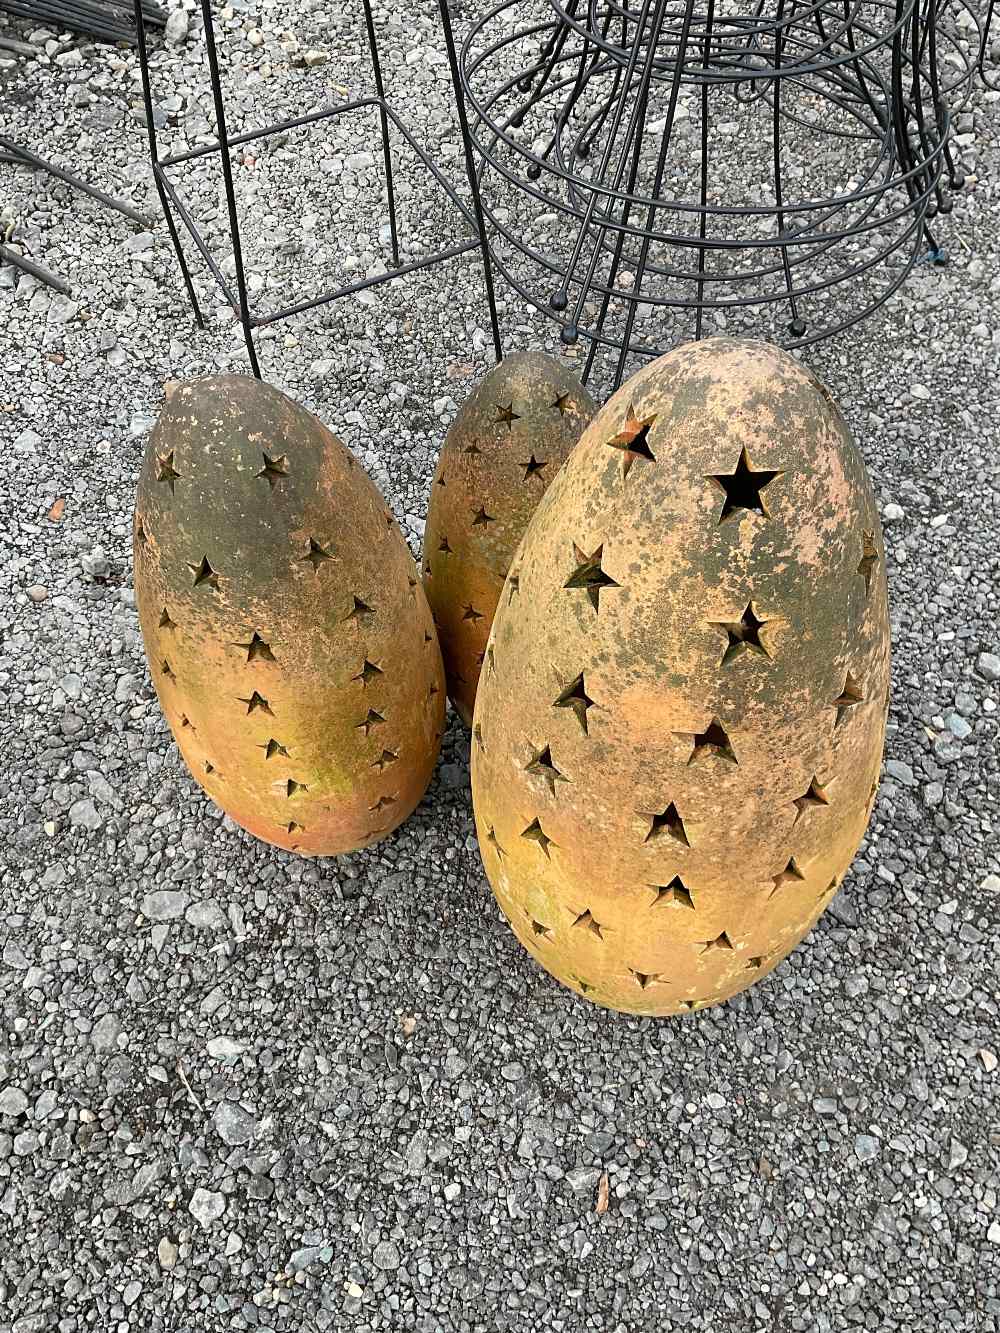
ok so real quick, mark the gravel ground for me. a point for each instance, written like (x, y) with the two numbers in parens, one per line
(241, 1090)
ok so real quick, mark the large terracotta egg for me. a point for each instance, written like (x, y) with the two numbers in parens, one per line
(679, 728)
(287, 632)
(502, 451)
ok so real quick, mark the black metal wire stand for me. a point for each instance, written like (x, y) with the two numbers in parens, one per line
(655, 170)
(17, 155)
(224, 144)
(107, 20)
(992, 81)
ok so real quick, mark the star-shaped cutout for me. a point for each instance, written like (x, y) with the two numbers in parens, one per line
(165, 621)
(292, 788)
(712, 742)
(721, 943)
(480, 518)
(590, 575)
(832, 887)
(140, 533)
(848, 698)
(167, 670)
(586, 921)
(316, 554)
(204, 573)
(272, 747)
(257, 649)
(674, 892)
(274, 469)
(371, 720)
(666, 824)
(575, 696)
(382, 803)
(790, 875)
(535, 833)
(187, 724)
(742, 487)
(561, 404)
(869, 560)
(742, 636)
(470, 613)
(359, 609)
(506, 416)
(293, 827)
(257, 703)
(165, 470)
(633, 440)
(472, 448)
(539, 928)
(368, 672)
(541, 766)
(477, 736)
(210, 768)
(494, 842)
(513, 587)
(533, 468)
(444, 546)
(645, 979)
(386, 758)
(813, 795)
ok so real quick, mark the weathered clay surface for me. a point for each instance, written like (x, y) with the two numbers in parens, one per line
(286, 628)
(501, 453)
(679, 729)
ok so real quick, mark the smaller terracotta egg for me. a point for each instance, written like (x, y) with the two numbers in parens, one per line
(503, 449)
(285, 627)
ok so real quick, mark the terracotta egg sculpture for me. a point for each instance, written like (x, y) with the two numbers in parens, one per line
(679, 727)
(285, 625)
(501, 453)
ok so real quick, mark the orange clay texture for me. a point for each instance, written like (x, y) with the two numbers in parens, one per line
(679, 727)
(285, 625)
(503, 450)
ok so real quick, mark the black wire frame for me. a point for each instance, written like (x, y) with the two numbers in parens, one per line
(172, 202)
(875, 61)
(15, 154)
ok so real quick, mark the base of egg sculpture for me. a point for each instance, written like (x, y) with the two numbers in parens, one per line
(287, 632)
(502, 451)
(679, 730)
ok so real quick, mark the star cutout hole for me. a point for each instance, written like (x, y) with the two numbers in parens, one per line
(535, 833)
(575, 696)
(849, 697)
(742, 488)
(586, 921)
(813, 796)
(274, 469)
(590, 575)
(666, 824)
(257, 650)
(676, 892)
(633, 440)
(204, 573)
(742, 636)
(541, 766)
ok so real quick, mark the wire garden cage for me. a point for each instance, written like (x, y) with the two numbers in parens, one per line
(469, 233)
(653, 171)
